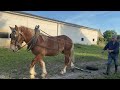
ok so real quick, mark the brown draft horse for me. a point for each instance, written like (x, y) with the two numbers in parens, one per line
(45, 46)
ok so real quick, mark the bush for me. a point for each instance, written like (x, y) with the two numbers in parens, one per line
(101, 41)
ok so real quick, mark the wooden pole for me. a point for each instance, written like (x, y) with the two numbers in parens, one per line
(57, 28)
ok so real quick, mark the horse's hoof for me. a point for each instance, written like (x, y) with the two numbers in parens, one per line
(32, 76)
(62, 72)
(44, 76)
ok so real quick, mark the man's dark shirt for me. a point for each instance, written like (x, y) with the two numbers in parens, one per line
(111, 46)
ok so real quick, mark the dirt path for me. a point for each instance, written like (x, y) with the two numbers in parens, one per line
(77, 74)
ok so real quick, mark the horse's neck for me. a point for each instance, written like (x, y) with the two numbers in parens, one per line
(28, 36)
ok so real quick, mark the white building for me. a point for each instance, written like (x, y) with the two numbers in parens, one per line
(79, 34)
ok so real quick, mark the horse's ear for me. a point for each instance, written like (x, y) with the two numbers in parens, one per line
(11, 27)
(16, 27)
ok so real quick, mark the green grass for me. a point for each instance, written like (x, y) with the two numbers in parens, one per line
(89, 53)
(9, 59)
(18, 63)
(111, 76)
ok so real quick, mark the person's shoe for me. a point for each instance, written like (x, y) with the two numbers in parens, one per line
(116, 69)
(107, 71)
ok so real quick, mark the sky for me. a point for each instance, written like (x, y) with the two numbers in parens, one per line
(103, 20)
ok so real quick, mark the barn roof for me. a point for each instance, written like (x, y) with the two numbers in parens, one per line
(47, 19)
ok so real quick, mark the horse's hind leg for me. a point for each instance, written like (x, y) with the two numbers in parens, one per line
(67, 62)
(32, 68)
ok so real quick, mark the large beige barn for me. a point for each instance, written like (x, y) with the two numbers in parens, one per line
(79, 34)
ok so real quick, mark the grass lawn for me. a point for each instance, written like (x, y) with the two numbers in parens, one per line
(18, 63)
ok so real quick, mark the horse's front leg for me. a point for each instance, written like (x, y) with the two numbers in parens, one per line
(43, 66)
(32, 68)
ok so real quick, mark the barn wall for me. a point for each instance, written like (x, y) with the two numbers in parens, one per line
(90, 35)
(75, 33)
(72, 32)
(7, 20)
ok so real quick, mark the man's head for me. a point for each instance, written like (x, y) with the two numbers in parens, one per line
(114, 38)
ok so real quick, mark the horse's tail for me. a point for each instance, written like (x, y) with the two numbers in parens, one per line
(72, 56)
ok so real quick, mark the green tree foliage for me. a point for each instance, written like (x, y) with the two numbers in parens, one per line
(101, 41)
(108, 34)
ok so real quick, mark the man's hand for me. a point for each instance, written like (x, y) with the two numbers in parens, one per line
(110, 51)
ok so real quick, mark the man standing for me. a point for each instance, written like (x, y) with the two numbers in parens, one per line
(113, 50)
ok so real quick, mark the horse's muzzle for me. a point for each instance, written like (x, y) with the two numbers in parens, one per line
(13, 48)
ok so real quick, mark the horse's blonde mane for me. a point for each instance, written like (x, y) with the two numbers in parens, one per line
(25, 28)
(29, 30)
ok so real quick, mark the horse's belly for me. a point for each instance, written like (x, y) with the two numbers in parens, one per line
(51, 53)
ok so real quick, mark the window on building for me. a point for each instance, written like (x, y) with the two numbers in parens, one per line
(4, 35)
(82, 39)
(93, 39)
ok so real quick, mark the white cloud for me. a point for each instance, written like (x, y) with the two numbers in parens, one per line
(84, 15)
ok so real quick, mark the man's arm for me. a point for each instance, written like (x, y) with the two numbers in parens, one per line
(106, 47)
(116, 48)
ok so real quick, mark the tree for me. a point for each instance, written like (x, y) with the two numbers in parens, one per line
(108, 34)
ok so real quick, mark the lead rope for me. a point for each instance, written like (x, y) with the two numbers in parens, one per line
(25, 44)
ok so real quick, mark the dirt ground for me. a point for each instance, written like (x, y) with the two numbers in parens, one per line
(95, 74)
(77, 74)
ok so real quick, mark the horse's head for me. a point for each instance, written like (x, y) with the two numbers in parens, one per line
(16, 38)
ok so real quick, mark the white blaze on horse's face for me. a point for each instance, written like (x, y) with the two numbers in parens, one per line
(13, 46)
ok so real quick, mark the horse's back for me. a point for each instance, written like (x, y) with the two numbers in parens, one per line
(68, 43)
(66, 38)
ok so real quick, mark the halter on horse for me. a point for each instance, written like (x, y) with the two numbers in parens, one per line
(43, 46)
